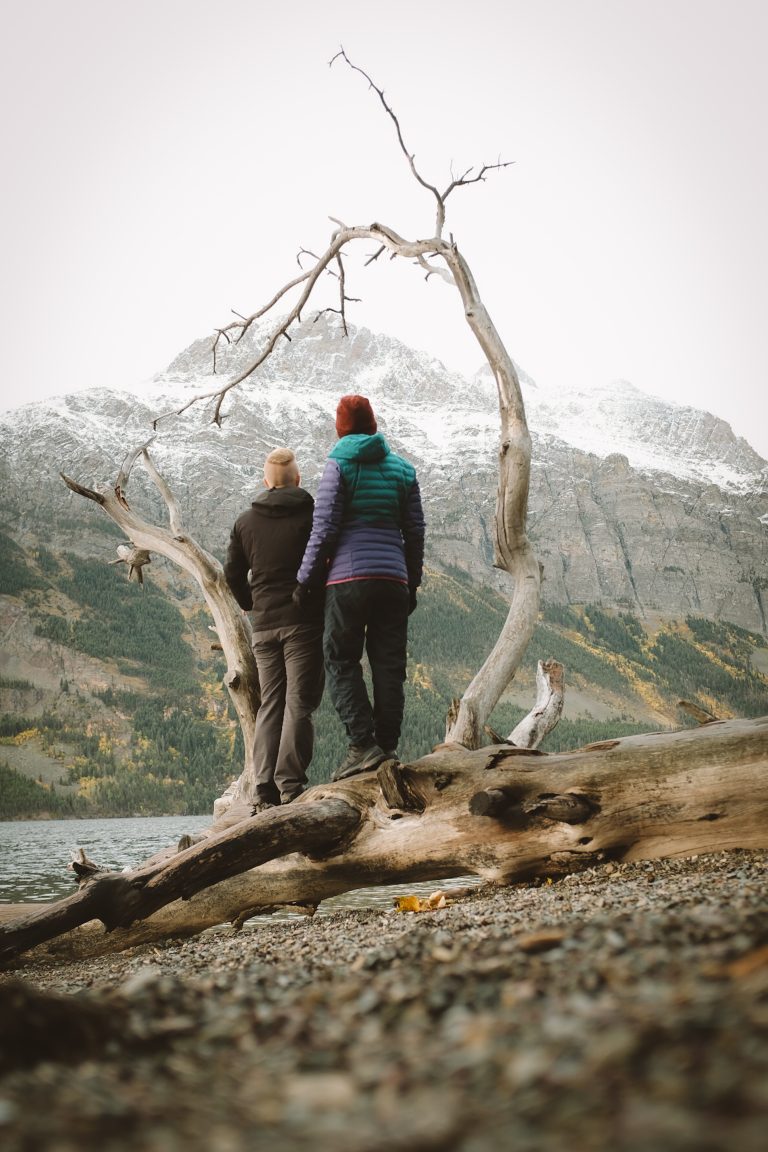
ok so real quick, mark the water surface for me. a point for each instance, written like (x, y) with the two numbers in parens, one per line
(34, 855)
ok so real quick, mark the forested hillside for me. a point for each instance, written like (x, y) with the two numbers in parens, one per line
(141, 724)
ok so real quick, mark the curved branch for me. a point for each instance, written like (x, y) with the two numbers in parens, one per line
(126, 467)
(457, 182)
(241, 679)
(513, 550)
(172, 504)
(388, 238)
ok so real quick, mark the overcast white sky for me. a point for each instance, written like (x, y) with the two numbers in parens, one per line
(164, 160)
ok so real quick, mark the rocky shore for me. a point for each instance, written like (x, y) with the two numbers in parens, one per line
(621, 1008)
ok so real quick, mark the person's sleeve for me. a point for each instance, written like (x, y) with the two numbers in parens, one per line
(236, 571)
(326, 526)
(414, 528)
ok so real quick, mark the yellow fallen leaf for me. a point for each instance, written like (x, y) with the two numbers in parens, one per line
(407, 904)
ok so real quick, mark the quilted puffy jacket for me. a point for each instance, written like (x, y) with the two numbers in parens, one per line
(368, 519)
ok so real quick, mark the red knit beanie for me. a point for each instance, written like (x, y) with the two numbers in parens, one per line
(354, 414)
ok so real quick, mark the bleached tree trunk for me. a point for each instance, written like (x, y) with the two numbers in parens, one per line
(513, 552)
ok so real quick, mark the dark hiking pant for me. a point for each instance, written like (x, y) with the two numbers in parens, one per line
(290, 664)
(371, 615)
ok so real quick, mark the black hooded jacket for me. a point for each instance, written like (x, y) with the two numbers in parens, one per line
(269, 541)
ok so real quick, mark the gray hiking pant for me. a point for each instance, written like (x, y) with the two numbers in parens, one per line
(291, 676)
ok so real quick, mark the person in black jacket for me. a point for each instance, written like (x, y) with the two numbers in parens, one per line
(265, 550)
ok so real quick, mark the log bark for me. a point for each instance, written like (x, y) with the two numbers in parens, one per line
(641, 797)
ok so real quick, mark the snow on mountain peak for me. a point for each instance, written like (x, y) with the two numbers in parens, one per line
(430, 412)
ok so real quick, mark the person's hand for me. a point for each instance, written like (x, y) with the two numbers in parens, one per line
(301, 595)
(411, 600)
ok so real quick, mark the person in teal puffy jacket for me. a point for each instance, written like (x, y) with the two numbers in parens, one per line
(366, 549)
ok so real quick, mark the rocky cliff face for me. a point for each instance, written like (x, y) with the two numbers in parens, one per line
(635, 502)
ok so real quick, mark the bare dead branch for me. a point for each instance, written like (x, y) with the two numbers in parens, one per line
(117, 899)
(465, 180)
(81, 490)
(410, 156)
(375, 256)
(125, 469)
(435, 270)
(342, 297)
(172, 504)
(339, 240)
(457, 182)
(308, 252)
(244, 324)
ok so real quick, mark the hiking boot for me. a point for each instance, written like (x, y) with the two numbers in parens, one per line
(359, 758)
(261, 806)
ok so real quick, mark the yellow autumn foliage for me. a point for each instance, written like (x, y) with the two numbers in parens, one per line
(416, 904)
(421, 677)
(24, 737)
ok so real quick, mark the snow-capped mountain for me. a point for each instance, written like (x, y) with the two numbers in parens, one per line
(654, 435)
(635, 502)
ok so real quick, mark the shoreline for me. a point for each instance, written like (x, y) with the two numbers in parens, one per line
(625, 1007)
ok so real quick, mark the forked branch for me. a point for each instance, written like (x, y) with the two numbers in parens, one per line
(457, 182)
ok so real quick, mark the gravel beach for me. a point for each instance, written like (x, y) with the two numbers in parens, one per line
(625, 1007)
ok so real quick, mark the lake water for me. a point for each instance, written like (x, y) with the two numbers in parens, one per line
(34, 855)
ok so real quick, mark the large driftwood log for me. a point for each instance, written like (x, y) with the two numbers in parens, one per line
(499, 813)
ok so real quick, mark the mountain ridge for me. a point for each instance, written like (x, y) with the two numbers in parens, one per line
(634, 502)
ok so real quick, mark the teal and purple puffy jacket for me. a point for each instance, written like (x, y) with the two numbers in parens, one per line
(368, 520)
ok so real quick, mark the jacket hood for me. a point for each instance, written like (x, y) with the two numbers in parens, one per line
(282, 501)
(359, 446)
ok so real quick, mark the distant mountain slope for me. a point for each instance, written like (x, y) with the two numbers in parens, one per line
(111, 698)
(635, 503)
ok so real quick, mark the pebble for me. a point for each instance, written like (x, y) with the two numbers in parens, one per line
(594, 1012)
